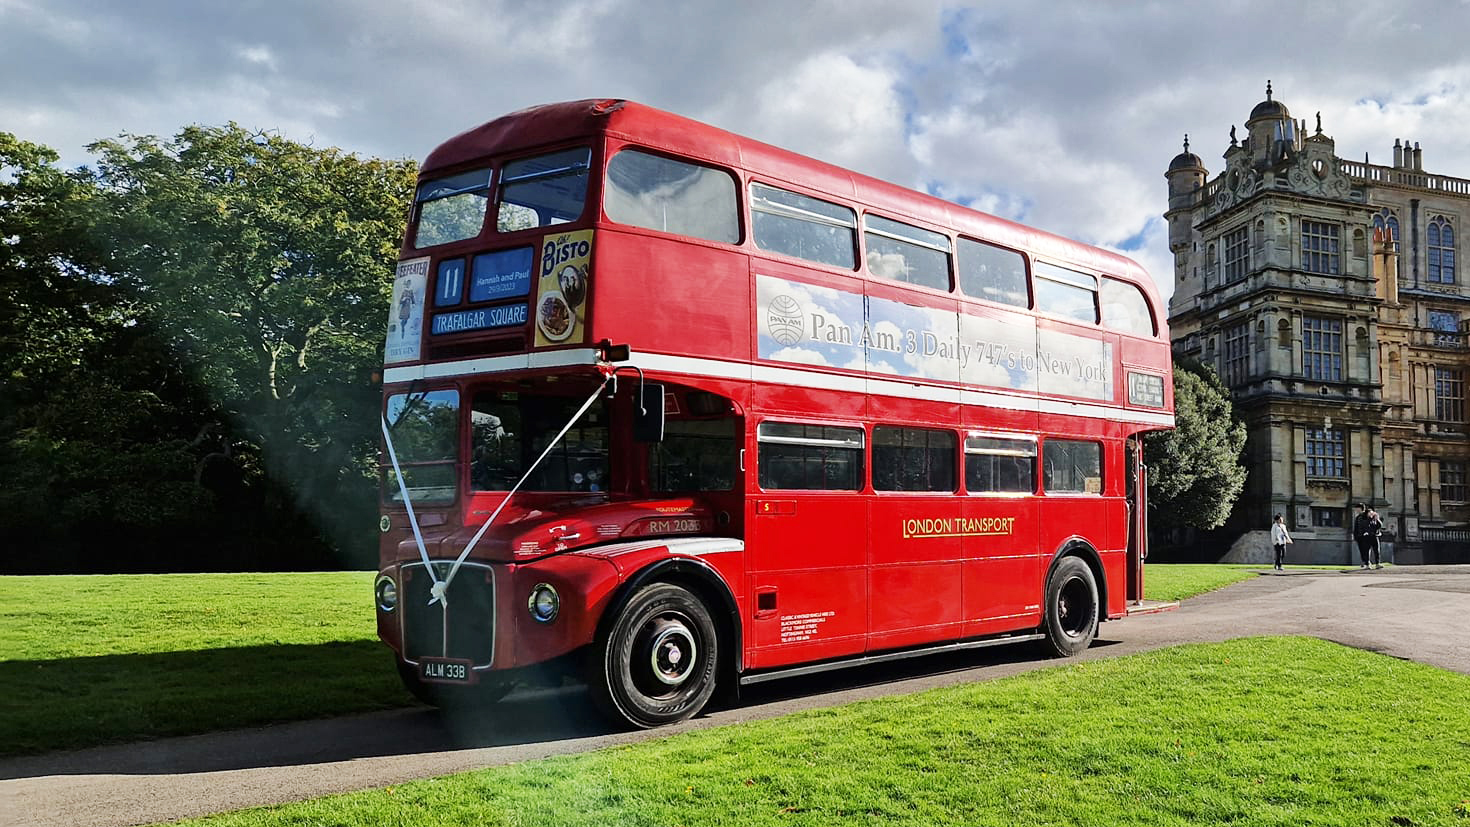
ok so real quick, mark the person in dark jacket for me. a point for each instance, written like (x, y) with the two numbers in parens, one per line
(1365, 532)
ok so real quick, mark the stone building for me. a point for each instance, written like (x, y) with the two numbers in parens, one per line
(1329, 296)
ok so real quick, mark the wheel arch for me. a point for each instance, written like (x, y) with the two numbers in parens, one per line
(1078, 547)
(700, 578)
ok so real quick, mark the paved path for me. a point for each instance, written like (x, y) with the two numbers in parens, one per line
(1417, 613)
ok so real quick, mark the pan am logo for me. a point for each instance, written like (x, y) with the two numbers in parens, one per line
(783, 320)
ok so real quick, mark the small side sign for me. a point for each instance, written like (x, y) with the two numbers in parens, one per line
(406, 313)
(1145, 389)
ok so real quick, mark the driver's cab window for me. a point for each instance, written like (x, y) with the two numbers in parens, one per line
(423, 431)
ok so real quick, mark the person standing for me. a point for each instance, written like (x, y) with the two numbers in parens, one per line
(1365, 533)
(1280, 538)
(1374, 552)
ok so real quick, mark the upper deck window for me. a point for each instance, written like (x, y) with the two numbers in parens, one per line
(804, 227)
(451, 208)
(544, 190)
(671, 196)
(1125, 308)
(993, 273)
(905, 253)
(1065, 292)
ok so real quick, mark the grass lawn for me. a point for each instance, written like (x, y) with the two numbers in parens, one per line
(88, 660)
(1265, 731)
(1177, 581)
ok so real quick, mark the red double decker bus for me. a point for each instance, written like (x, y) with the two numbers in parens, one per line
(673, 409)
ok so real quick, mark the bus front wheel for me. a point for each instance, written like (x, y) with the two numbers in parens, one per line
(1071, 608)
(658, 661)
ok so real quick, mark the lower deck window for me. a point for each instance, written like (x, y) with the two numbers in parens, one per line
(810, 457)
(913, 459)
(995, 465)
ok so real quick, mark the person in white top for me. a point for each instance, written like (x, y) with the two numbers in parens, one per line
(1281, 539)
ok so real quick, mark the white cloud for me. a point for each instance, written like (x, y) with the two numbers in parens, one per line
(834, 108)
(259, 55)
(1066, 120)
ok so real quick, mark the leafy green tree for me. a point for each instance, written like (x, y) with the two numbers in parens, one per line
(267, 265)
(94, 415)
(1195, 475)
(40, 209)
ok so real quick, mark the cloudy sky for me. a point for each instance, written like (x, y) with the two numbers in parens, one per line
(1062, 115)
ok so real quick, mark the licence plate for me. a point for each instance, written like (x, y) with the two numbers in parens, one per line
(445, 670)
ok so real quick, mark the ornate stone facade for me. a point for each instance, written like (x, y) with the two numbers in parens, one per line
(1330, 297)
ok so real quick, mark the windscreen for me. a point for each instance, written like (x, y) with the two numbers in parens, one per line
(423, 430)
(510, 429)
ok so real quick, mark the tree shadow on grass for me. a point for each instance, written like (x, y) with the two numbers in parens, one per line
(71, 703)
(131, 707)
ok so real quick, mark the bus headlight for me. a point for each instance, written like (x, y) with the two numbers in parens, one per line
(544, 603)
(386, 591)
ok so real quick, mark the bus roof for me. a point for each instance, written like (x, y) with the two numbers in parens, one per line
(654, 128)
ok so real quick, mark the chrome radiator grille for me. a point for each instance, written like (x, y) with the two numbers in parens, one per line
(464, 629)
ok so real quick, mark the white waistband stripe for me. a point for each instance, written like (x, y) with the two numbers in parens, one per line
(776, 375)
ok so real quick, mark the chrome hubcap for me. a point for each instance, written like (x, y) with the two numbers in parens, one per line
(672, 653)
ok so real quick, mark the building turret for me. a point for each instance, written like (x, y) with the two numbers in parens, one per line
(1186, 176)
(1272, 134)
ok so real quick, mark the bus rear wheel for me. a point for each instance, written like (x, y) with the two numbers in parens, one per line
(1071, 608)
(658, 661)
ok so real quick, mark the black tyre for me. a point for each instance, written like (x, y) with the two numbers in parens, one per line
(1071, 608)
(657, 662)
(484, 693)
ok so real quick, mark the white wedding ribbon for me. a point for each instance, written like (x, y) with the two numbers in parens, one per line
(437, 591)
(418, 537)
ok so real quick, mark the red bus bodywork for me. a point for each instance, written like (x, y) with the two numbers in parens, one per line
(829, 374)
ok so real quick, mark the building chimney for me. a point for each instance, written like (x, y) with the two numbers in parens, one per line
(1398, 153)
(1418, 158)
